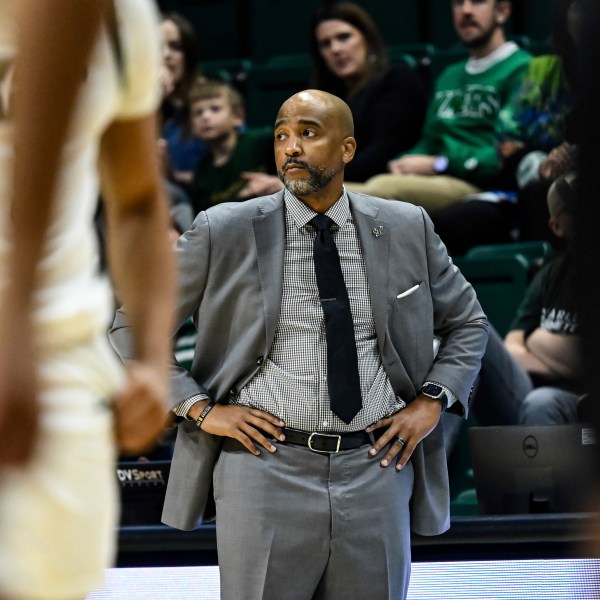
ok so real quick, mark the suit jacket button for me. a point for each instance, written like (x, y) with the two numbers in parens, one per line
(259, 360)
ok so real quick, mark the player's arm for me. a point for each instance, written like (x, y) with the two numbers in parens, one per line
(142, 268)
(56, 41)
(54, 46)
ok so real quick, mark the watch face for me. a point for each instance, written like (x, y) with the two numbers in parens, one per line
(432, 390)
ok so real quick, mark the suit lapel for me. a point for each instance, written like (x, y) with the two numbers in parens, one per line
(374, 235)
(375, 238)
(269, 234)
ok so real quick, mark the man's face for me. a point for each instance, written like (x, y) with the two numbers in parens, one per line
(309, 146)
(475, 21)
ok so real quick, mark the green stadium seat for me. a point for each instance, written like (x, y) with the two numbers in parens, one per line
(535, 252)
(500, 283)
(532, 251)
(232, 70)
(271, 83)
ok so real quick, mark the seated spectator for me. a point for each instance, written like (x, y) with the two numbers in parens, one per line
(457, 154)
(534, 375)
(238, 165)
(180, 61)
(388, 102)
(536, 141)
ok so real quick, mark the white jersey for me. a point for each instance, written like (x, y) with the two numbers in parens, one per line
(74, 302)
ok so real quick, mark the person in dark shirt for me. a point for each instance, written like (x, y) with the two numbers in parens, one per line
(534, 375)
(388, 102)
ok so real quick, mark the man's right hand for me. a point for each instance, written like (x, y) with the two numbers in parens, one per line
(241, 423)
(141, 409)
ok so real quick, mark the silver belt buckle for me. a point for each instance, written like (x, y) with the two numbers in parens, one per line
(337, 448)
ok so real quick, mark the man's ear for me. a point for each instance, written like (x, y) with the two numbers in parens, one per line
(503, 10)
(349, 148)
(555, 227)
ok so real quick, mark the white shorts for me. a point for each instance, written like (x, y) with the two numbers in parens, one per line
(58, 516)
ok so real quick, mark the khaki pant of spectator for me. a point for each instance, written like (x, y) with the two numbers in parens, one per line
(430, 192)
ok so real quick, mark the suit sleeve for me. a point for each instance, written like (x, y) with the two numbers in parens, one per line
(459, 322)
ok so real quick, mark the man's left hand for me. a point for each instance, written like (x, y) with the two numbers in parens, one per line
(411, 424)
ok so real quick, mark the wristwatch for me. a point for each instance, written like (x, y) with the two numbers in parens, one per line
(437, 392)
(440, 164)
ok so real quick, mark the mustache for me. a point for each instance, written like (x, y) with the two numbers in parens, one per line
(469, 21)
(296, 163)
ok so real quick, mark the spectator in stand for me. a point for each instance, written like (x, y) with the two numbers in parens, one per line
(534, 377)
(536, 141)
(182, 150)
(388, 102)
(457, 154)
(238, 165)
(546, 336)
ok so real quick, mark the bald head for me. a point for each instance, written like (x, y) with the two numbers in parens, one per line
(314, 141)
(330, 109)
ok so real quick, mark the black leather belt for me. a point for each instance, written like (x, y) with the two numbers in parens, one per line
(328, 442)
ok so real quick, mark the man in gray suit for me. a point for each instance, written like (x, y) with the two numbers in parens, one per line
(311, 504)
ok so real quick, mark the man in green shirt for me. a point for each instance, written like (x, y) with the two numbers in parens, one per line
(457, 154)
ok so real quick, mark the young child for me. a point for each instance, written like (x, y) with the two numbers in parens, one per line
(238, 165)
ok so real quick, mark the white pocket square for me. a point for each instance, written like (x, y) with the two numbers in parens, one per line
(408, 292)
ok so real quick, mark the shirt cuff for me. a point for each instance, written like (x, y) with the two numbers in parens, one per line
(182, 409)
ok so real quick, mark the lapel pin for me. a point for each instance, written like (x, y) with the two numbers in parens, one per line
(377, 231)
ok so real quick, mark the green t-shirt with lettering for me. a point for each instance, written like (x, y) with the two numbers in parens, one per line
(462, 116)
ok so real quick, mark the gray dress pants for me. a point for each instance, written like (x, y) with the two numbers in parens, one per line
(298, 525)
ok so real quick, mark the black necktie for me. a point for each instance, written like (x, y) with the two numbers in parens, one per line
(342, 363)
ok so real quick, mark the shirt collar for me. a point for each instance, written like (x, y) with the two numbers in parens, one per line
(302, 214)
(475, 66)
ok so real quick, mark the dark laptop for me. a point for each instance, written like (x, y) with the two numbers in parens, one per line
(533, 469)
(143, 485)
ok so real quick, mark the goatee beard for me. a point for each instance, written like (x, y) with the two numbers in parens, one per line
(318, 178)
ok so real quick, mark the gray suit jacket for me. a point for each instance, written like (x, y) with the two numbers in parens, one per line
(231, 273)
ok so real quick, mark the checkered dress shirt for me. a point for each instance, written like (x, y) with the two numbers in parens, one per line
(292, 381)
